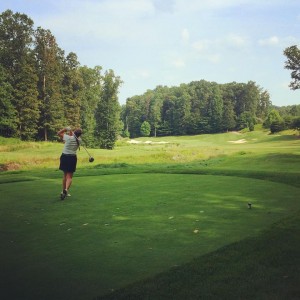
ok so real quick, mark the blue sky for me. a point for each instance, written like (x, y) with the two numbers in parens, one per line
(169, 42)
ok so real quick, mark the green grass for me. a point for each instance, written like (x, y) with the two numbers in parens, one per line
(153, 221)
(262, 267)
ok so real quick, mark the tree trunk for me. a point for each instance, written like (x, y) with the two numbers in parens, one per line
(44, 92)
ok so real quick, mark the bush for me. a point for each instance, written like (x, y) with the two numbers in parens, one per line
(277, 126)
(125, 134)
(296, 124)
(145, 129)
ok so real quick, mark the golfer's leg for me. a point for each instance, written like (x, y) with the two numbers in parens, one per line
(64, 181)
(69, 180)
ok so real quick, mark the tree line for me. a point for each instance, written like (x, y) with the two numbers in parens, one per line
(196, 108)
(43, 89)
(208, 107)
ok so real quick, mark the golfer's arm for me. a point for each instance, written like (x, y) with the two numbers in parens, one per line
(61, 132)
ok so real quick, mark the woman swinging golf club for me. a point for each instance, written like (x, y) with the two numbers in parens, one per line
(68, 158)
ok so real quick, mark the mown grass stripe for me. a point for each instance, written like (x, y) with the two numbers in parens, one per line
(262, 267)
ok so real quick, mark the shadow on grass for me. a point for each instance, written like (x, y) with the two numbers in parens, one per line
(288, 177)
(277, 138)
(263, 267)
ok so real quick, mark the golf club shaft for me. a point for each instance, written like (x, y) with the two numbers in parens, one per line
(82, 145)
(86, 151)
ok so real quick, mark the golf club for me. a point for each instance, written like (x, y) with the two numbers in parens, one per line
(91, 158)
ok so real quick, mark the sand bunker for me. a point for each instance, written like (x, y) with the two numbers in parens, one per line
(146, 142)
(242, 141)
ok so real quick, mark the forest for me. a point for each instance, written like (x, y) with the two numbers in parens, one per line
(196, 108)
(43, 89)
(205, 107)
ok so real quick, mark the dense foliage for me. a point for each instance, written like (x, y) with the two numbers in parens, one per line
(209, 107)
(293, 63)
(42, 89)
(197, 107)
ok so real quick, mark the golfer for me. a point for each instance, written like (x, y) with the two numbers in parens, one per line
(68, 158)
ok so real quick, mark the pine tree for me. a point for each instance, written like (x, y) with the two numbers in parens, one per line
(90, 97)
(16, 57)
(8, 122)
(72, 90)
(26, 101)
(108, 112)
(49, 58)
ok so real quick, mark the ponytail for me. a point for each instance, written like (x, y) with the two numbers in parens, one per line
(77, 134)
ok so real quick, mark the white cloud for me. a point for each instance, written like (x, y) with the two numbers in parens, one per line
(232, 40)
(204, 5)
(210, 5)
(282, 42)
(143, 73)
(185, 35)
(271, 41)
(236, 40)
(214, 58)
(100, 19)
(202, 45)
(178, 63)
(164, 6)
(213, 50)
(123, 8)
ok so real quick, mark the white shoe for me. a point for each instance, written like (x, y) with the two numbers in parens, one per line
(69, 195)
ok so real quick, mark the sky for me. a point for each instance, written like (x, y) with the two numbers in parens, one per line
(168, 42)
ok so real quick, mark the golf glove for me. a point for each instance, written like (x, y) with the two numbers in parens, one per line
(68, 128)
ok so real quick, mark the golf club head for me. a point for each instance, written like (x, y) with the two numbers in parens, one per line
(91, 159)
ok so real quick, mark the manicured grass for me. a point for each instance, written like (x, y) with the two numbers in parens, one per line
(153, 220)
(118, 229)
(262, 267)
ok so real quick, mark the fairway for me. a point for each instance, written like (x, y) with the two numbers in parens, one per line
(118, 229)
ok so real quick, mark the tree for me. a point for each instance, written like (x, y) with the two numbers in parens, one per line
(145, 129)
(264, 104)
(167, 125)
(215, 108)
(16, 31)
(229, 115)
(293, 63)
(132, 116)
(72, 90)
(155, 112)
(277, 126)
(108, 112)
(229, 122)
(16, 57)
(274, 121)
(246, 120)
(8, 122)
(26, 101)
(49, 58)
(182, 109)
(90, 96)
(296, 124)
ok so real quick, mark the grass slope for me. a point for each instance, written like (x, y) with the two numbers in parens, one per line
(263, 267)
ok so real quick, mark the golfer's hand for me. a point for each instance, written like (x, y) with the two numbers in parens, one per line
(68, 128)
